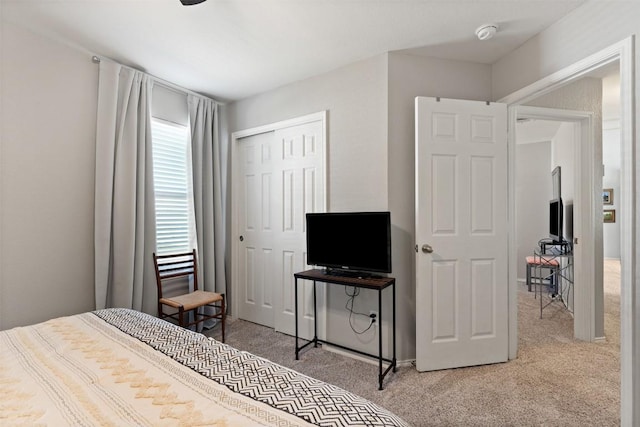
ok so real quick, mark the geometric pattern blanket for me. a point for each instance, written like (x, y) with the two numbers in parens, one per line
(122, 367)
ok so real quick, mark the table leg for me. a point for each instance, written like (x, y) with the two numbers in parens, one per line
(295, 304)
(540, 284)
(379, 320)
(393, 310)
(315, 317)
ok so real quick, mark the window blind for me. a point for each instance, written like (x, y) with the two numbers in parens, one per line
(171, 184)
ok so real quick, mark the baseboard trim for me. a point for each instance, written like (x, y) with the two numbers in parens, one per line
(369, 360)
(404, 363)
(347, 353)
(600, 339)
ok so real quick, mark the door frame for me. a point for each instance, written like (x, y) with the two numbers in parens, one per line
(587, 204)
(623, 52)
(235, 203)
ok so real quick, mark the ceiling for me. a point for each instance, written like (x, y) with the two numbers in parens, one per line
(232, 49)
(530, 131)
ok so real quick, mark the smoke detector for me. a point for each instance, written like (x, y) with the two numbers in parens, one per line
(485, 32)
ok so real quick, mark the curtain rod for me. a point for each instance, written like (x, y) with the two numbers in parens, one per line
(96, 60)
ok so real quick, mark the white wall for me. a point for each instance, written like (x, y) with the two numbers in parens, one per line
(356, 98)
(562, 154)
(533, 192)
(49, 98)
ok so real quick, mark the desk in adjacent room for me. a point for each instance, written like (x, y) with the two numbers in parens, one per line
(372, 282)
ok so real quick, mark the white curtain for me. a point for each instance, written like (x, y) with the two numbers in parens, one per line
(207, 192)
(124, 204)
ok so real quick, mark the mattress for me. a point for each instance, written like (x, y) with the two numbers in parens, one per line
(122, 367)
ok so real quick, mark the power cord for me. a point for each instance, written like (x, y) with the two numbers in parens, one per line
(349, 306)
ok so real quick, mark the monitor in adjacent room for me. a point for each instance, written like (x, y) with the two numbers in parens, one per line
(354, 241)
(556, 220)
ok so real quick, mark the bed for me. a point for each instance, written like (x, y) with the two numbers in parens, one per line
(122, 367)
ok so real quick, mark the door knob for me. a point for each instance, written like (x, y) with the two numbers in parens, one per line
(427, 249)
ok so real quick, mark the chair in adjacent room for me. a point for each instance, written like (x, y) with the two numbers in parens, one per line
(185, 266)
(537, 263)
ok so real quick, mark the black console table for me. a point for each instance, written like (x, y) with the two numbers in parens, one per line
(373, 282)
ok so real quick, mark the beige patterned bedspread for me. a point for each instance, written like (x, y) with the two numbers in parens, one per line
(82, 370)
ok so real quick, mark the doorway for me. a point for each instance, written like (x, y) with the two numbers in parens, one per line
(622, 52)
(544, 150)
(572, 139)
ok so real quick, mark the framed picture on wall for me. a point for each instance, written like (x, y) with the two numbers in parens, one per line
(607, 196)
(609, 215)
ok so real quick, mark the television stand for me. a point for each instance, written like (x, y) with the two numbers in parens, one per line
(550, 246)
(348, 273)
(376, 283)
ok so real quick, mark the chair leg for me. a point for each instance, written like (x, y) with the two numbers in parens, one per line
(553, 283)
(529, 277)
(181, 317)
(224, 315)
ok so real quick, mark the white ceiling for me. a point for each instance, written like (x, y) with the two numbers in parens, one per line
(530, 131)
(231, 49)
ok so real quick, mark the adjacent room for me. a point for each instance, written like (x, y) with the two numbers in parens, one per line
(348, 213)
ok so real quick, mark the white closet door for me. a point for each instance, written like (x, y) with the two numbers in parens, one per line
(257, 269)
(281, 178)
(300, 190)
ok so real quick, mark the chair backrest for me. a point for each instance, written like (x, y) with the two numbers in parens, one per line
(174, 266)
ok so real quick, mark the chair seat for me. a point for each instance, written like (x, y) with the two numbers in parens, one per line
(538, 260)
(192, 300)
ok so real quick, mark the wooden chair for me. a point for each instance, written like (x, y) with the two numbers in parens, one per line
(185, 265)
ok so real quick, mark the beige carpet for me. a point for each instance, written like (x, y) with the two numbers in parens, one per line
(555, 381)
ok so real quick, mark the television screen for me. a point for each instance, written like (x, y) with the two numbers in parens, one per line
(556, 220)
(359, 241)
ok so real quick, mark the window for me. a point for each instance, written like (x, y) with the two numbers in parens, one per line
(172, 184)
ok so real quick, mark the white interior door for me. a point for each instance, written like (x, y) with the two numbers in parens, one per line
(281, 178)
(461, 233)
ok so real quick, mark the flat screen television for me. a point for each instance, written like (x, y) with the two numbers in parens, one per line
(350, 241)
(556, 220)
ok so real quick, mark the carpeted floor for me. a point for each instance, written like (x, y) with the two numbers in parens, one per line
(555, 381)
